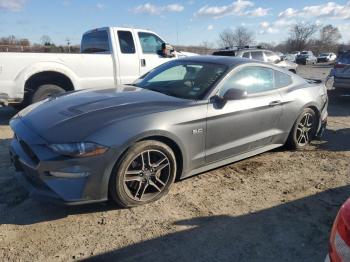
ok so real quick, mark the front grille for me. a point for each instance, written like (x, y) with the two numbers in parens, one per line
(33, 178)
(26, 148)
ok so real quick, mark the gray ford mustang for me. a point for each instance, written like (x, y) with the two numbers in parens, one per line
(185, 117)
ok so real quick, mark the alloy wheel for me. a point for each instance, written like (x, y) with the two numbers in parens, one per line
(147, 175)
(305, 129)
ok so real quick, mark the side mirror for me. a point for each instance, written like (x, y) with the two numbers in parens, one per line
(168, 50)
(235, 94)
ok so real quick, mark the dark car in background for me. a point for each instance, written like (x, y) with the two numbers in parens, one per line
(341, 71)
(260, 54)
(185, 117)
(306, 58)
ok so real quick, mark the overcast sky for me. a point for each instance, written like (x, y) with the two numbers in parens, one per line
(178, 22)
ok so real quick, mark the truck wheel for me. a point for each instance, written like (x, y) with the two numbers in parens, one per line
(45, 91)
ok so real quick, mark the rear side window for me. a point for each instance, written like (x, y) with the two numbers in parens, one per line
(126, 42)
(246, 55)
(282, 79)
(95, 42)
(150, 43)
(252, 79)
(257, 55)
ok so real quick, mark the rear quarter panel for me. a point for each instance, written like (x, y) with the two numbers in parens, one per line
(298, 97)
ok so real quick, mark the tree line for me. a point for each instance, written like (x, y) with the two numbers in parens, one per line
(46, 45)
(302, 36)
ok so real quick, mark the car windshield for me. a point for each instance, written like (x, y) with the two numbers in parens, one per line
(183, 79)
(324, 54)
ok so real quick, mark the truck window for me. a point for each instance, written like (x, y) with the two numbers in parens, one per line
(150, 43)
(126, 42)
(95, 42)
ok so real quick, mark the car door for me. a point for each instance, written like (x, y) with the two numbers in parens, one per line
(243, 125)
(151, 51)
(127, 57)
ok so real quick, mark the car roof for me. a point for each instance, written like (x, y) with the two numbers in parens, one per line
(230, 61)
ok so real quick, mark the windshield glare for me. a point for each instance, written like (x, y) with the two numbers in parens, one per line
(183, 79)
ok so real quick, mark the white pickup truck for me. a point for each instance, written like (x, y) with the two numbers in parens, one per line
(109, 56)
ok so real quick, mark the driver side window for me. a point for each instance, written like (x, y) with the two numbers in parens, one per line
(150, 43)
(252, 79)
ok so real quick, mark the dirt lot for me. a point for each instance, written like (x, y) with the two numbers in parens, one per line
(278, 206)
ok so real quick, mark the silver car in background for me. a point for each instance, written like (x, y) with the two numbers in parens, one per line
(259, 54)
(183, 118)
(326, 57)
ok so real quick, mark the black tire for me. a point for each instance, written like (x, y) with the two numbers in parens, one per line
(125, 188)
(302, 133)
(45, 91)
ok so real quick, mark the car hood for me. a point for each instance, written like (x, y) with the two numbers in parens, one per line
(76, 115)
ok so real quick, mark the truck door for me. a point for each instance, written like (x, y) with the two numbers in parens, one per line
(150, 51)
(127, 58)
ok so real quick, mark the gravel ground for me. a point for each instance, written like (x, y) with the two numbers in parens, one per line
(278, 206)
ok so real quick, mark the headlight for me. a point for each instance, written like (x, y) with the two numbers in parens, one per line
(83, 149)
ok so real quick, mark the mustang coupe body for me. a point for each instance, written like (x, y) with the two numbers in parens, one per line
(185, 117)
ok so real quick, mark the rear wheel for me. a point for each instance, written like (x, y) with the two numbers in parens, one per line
(45, 91)
(303, 130)
(144, 174)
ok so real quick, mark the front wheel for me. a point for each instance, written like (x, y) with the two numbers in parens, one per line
(303, 130)
(143, 175)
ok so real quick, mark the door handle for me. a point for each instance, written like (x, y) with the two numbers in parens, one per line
(275, 103)
(143, 62)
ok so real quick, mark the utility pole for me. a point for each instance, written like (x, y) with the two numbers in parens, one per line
(68, 44)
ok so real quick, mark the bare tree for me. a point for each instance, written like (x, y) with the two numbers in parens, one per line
(240, 36)
(300, 36)
(46, 40)
(329, 36)
(24, 42)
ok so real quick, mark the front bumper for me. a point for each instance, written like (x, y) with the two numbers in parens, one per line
(5, 100)
(319, 60)
(301, 61)
(34, 162)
